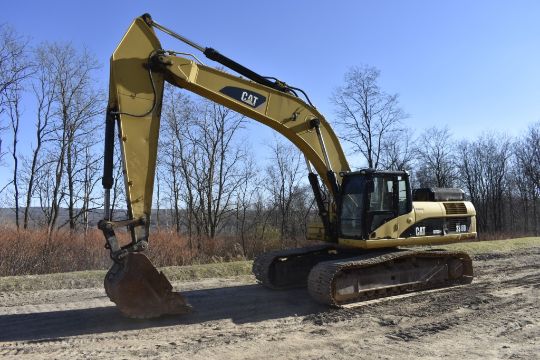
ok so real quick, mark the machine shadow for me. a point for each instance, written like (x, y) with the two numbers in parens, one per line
(241, 304)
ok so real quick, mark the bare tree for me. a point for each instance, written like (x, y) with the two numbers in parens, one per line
(202, 160)
(176, 149)
(246, 193)
(80, 103)
(284, 185)
(75, 106)
(89, 181)
(216, 171)
(436, 160)
(14, 64)
(398, 151)
(484, 166)
(45, 183)
(522, 196)
(44, 91)
(13, 100)
(366, 114)
(527, 151)
(15, 67)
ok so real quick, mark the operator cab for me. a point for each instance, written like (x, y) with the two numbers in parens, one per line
(370, 198)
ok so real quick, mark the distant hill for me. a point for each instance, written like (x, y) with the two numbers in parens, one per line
(37, 218)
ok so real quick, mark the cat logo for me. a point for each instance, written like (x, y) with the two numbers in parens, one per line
(245, 96)
(249, 99)
(420, 230)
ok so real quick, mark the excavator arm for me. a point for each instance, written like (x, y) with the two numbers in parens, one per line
(138, 70)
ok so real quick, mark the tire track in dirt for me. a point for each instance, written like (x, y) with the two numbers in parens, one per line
(497, 316)
(480, 305)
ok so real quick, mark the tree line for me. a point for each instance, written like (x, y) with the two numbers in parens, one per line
(210, 181)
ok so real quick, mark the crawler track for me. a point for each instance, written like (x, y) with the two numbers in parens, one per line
(378, 275)
(287, 269)
(337, 276)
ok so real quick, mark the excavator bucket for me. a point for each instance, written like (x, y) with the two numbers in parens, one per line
(140, 291)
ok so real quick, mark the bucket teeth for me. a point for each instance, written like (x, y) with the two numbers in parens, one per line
(140, 291)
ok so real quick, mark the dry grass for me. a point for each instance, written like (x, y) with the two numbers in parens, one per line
(29, 251)
(94, 278)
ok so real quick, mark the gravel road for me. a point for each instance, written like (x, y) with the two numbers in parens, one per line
(497, 316)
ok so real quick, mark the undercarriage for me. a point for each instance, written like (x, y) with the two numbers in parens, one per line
(337, 276)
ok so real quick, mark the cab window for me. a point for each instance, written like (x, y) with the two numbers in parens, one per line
(352, 207)
(403, 203)
(381, 198)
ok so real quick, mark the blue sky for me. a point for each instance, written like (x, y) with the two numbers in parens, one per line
(471, 66)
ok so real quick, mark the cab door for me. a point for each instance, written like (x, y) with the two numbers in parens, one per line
(388, 197)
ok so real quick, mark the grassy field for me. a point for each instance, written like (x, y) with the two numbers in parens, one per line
(94, 278)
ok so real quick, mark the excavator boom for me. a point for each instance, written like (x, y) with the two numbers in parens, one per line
(139, 68)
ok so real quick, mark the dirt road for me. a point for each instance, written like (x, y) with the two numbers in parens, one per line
(497, 316)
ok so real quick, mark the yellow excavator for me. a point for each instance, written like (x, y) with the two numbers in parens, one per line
(371, 221)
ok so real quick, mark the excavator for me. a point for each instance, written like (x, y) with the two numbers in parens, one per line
(375, 234)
